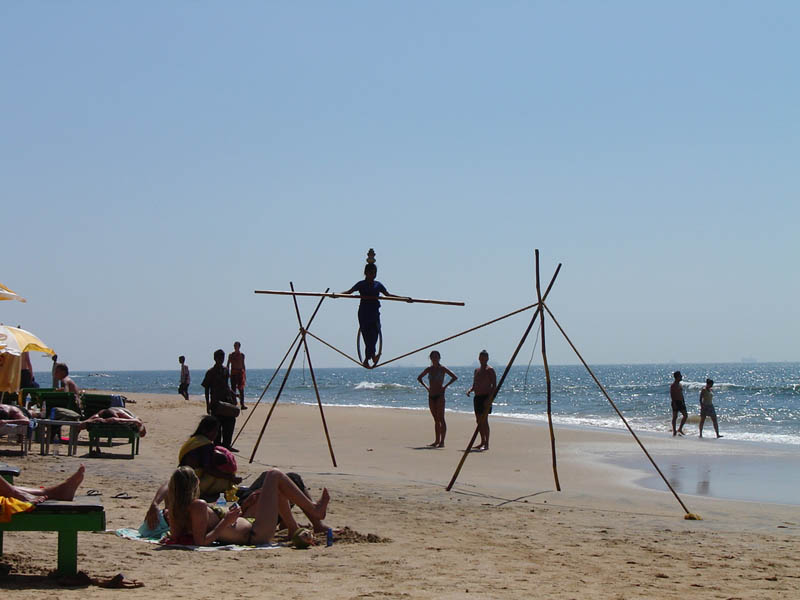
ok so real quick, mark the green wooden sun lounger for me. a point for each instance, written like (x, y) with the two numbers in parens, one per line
(8, 472)
(93, 404)
(67, 518)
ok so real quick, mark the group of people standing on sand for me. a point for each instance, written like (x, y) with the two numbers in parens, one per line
(484, 385)
(679, 405)
(221, 384)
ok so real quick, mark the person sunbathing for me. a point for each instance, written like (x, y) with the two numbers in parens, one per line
(194, 522)
(198, 452)
(116, 416)
(61, 491)
(12, 415)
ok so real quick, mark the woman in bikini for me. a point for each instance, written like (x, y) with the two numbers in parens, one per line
(195, 522)
(436, 373)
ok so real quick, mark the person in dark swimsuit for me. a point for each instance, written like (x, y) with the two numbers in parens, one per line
(484, 384)
(436, 388)
(678, 403)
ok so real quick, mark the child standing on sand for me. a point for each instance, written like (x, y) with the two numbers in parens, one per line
(436, 373)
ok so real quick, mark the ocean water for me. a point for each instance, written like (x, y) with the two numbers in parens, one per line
(754, 402)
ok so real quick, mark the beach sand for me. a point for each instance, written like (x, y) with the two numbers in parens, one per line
(502, 532)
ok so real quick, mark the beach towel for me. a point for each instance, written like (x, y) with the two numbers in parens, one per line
(134, 534)
(12, 506)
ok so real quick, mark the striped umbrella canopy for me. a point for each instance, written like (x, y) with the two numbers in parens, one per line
(7, 294)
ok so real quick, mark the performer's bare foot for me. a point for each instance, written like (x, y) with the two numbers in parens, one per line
(67, 489)
(366, 363)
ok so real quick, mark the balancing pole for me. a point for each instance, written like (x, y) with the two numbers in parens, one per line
(614, 406)
(283, 383)
(313, 377)
(269, 383)
(485, 415)
(547, 377)
(392, 298)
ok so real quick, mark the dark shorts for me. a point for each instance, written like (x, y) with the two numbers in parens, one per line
(237, 379)
(708, 411)
(183, 389)
(479, 404)
(679, 406)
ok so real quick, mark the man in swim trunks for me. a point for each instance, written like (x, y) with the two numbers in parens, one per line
(484, 384)
(707, 407)
(678, 403)
(238, 372)
(186, 378)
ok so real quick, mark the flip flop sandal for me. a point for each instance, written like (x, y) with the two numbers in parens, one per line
(124, 496)
(94, 493)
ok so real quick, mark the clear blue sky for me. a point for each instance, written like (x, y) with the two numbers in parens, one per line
(160, 161)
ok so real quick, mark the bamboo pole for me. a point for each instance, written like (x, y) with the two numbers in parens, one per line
(502, 380)
(547, 378)
(313, 377)
(283, 384)
(264, 391)
(614, 406)
(334, 295)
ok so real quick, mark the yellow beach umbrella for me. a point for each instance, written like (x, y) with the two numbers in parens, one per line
(13, 342)
(7, 294)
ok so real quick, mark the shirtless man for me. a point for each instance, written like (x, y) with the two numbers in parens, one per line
(238, 372)
(65, 382)
(12, 415)
(62, 491)
(115, 415)
(678, 403)
(484, 384)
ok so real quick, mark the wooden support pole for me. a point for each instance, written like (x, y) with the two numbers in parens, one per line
(264, 391)
(500, 383)
(313, 377)
(283, 383)
(547, 378)
(391, 298)
(614, 406)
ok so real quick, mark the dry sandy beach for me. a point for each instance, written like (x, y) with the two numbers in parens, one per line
(503, 532)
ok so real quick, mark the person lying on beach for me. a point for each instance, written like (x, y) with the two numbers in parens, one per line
(245, 498)
(194, 522)
(61, 491)
(12, 415)
(115, 416)
(436, 388)
(198, 452)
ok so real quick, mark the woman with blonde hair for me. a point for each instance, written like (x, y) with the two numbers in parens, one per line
(193, 521)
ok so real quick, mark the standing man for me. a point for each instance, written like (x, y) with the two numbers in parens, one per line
(678, 403)
(186, 378)
(484, 384)
(238, 372)
(215, 384)
(707, 407)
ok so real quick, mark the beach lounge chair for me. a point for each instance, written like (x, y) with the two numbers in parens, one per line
(94, 403)
(67, 518)
(8, 472)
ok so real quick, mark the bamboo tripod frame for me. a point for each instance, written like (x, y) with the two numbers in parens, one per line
(540, 309)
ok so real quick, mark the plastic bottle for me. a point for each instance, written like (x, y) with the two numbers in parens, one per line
(221, 500)
(43, 412)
